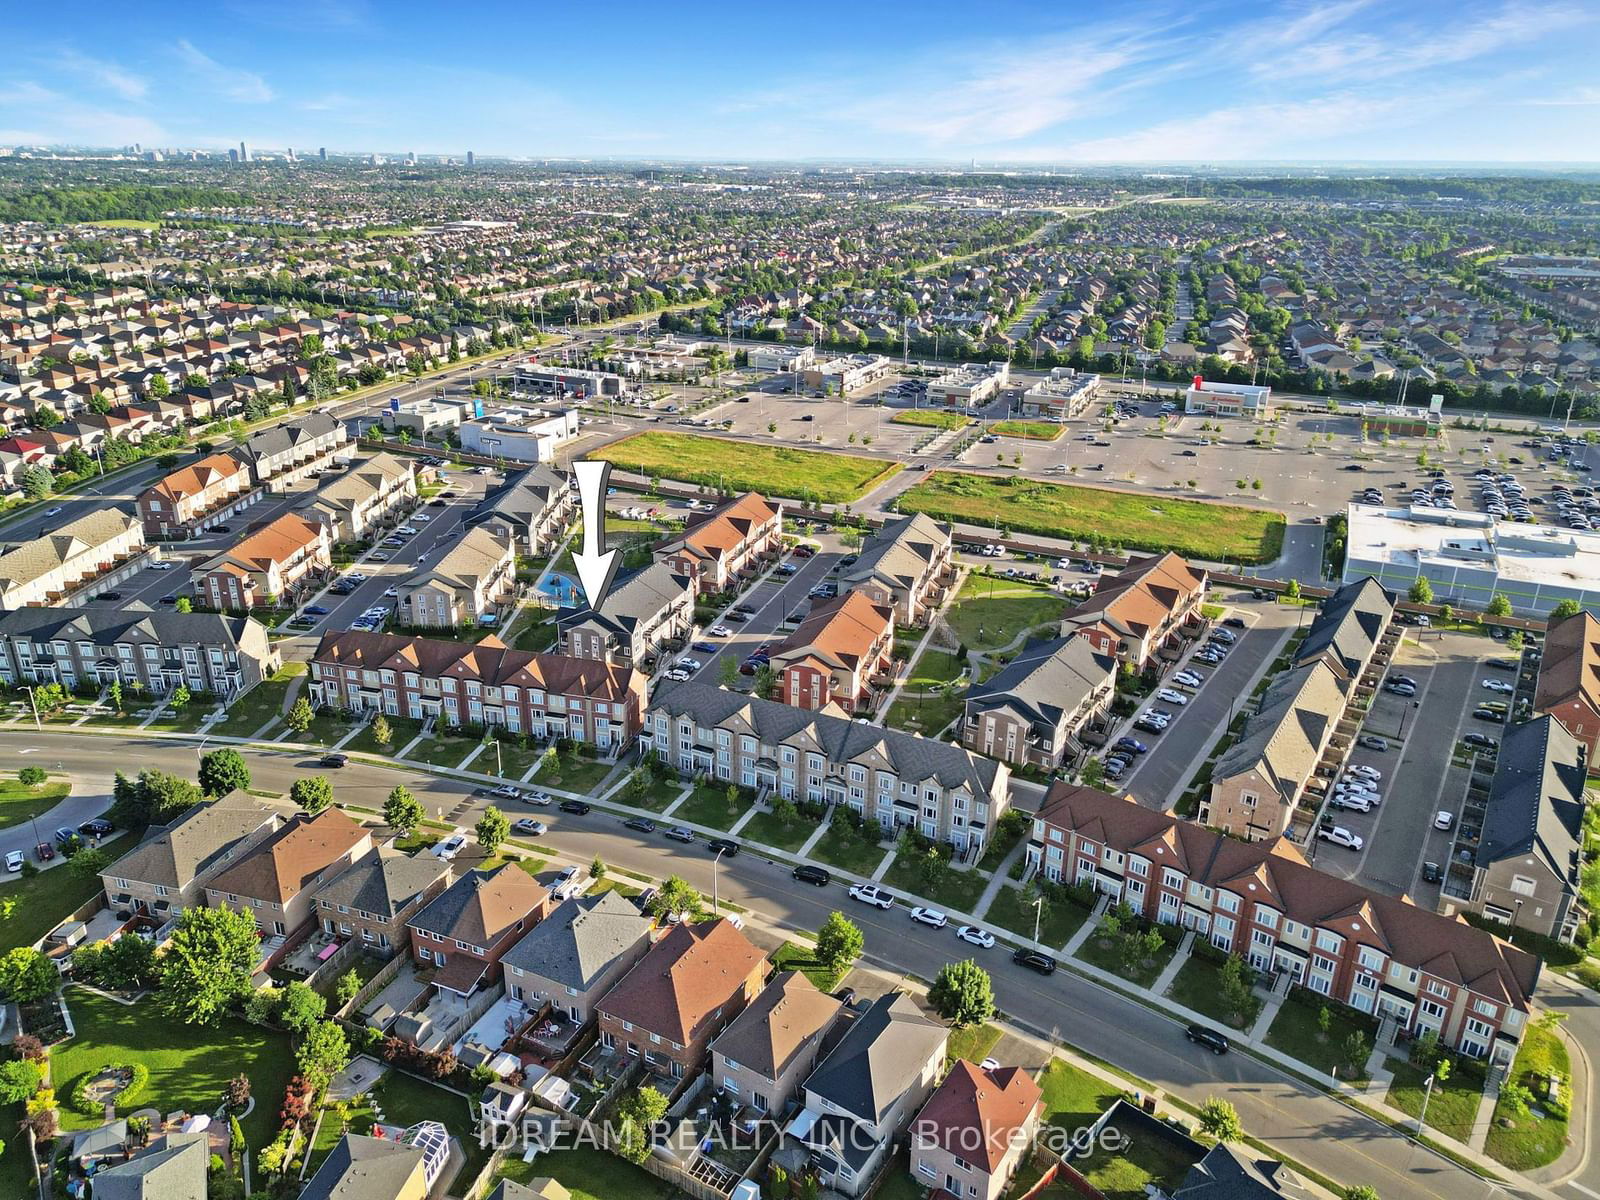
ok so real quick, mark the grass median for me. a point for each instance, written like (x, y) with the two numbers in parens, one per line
(744, 466)
(1037, 431)
(931, 418)
(1198, 528)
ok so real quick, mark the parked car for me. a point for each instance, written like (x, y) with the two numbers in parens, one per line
(333, 760)
(1497, 685)
(1371, 741)
(1353, 803)
(974, 936)
(1443, 819)
(724, 846)
(1209, 1038)
(578, 808)
(679, 834)
(1363, 770)
(530, 827)
(539, 798)
(870, 893)
(1340, 836)
(1134, 744)
(15, 858)
(1035, 961)
(719, 631)
(1482, 713)
(1236, 623)
(1171, 696)
(1188, 679)
(44, 852)
(640, 824)
(814, 875)
(451, 846)
(1481, 741)
(929, 916)
(98, 827)
(1431, 873)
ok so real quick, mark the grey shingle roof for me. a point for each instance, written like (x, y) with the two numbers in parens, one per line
(880, 1055)
(522, 498)
(384, 881)
(1286, 736)
(364, 1168)
(285, 437)
(839, 739)
(633, 600)
(1231, 1173)
(203, 838)
(107, 626)
(575, 944)
(1536, 800)
(1047, 679)
(1348, 625)
(173, 1168)
(899, 552)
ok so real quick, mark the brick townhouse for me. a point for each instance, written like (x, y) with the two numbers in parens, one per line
(537, 505)
(474, 575)
(895, 778)
(905, 565)
(191, 498)
(540, 695)
(838, 652)
(377, 895)
(1380, 954)
(1031, 711)
(272, 563)
(1569, 678)
(290, 452)
(373, 493)
(1148, 607)
(725, 545)
(466, 929)
(276, 881)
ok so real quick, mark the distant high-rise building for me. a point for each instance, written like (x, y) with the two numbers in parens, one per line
(323, 154)
(411, 159)
(233, 156)
(137, 148)
(470, 159)
(244, 152)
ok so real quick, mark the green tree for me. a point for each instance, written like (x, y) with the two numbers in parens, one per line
(19, 1079)
(312, 793)
(1324, 1022)
(962, 993)
(1355, 1051)
(300, 1008)
(402, 811)
(382, 734)
(115, 694)
(208, 962)
(183, 604)
(179, 700)
(1516, 1099)
(87, 864)
(1360, 1191)
(1421, 591)
(839, 943)
(323, 1052)
(129, 963)
(1237, 993)
(1499, 606)
(27, 975)
(1563, 610)
(638, 1113)
(1219, 1120)
(32, 776)
(345, 990)
(300, 715)
(36, 481)
(223, 771)
(1292, 592)
(492, 829)
(598, 868)
(675, 898)
(154, 798)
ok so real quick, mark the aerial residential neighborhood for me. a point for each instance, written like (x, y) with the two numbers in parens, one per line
(863, 604)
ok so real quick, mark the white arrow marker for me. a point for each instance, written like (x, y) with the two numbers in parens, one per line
(597, 566)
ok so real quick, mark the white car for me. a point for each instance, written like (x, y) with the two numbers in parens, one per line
(1365, 771)
(451, 846)
(539, 798)
(720, 631)
(1352, 802)
(527, 825)
(1169, 696)
(929, 916)
(162, 566)
(407, 530)
(1444, 819)
(678, 676)
(1497, 685)
(978, 937)
(1340, 836)
(1188, 679)
(568, 884)
(14, 860)
(53, 512)
(870, 893)
(422, 518)
(690, 665)
(391, 593)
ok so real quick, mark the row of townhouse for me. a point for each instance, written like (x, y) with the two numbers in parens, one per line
(93, 551)
(540, 695)
(905, 566)
(889, 777)
(722, 548)
(1142, 614)
(841, 653)
(149, 651)
(537, 505)
(1033, 711)
(374, 492)
(1262, 900)
(648, 613)
(467, 583)
(1289, 747)
(274, 564)
(193, 498)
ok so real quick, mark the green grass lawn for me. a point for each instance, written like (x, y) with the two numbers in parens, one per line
(1144, 1161)
(580, 775)
(1532, 1140)
(935, 666)
(1136, 521)
(1106, 955)
(325, 729)
(1038, 431)
(1072, 1096)
(1453, 1107)
(1295, 1031)
(443, 751)
(19, 802)
(772, 830)
(960, 890)
(1198, 985)
(842, 847)
(406, 1100)
(657, 796)
(401, 731)
(187, 719)
(790, 957)
(918, 710)
(188, 1064)
(972, 1042)
(931, 418)
(711, 807)
(989, 612)
(590, 1173)
(44, 901)
(1010, 911)
(742, 466)
(513, 762)
(536, 629)
(260, 704)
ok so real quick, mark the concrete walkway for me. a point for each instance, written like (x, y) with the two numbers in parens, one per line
(1002, 875)
(1170, 971)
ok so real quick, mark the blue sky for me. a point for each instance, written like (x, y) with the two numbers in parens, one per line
(1047, 82)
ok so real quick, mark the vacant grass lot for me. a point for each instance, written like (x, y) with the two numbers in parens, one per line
(972, 1042)
(989, 611)
(935, 666)
(1039, 431)
(1143, 522)
(792, 957)
(1126, 1174)
(931, 418)
(1536, 1138)
(742, 466)
(260, 704)
(1072, 1096)
(1105, 953)
(19, 802)
(921, 710)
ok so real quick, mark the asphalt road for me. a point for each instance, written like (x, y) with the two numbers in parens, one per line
(1308, 1125)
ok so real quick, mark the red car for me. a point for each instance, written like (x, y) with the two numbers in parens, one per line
(44, 851)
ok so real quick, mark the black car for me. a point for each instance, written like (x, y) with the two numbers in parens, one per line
(1035, 961)
(1236, 623)
(806, 873)
(640, 824)
(1431, 873)
(723, 846)
(1210, 1039)
(1480, 741)
(1501, 664)
(845, 996)
(333, 760)
(578, 808)
(109, 596)
(98, 827)
(316, 610)
(1486, 714)
(1355, 467)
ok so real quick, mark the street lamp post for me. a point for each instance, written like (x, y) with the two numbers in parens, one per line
(1038, 915)
(1427, 1095)
(715, 906)
(34, 705)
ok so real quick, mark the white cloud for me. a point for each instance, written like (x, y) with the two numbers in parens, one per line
(1577, 98)
(244, 86)
(107, 75)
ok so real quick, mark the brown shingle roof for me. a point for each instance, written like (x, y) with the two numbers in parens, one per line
(1139, 597)
(722, 531)
(1570, 668)
(275, 543)
(684, 978)
(197, 477)
(481, 907)
(788, 1013)
(291, 859)
(998, 1103)
(839, 631)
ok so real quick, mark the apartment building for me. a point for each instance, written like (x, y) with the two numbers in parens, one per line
(373, 493)
(1526, 870)
(1349, 629)
(762, 1058)
(680, 995)
(839, 653)
(1378, 953)
(969, 386)
(647, 613)
(897, 779)
(149, 651)
(465, 930)
(377, 895)
(90, 553)
(540, 695)
(906, 566)
(727, 545)
(1569, 678)
(196, 497)
(276, 880)
(470, 581)
(1065, 394)
(574, 956)
(275, 562)
(537, 505)
(165, 873)
(1143, 613)
(287, 453)
(1031, 711)
(974, 1131)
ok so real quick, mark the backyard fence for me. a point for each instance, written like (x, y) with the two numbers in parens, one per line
(375, 985)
